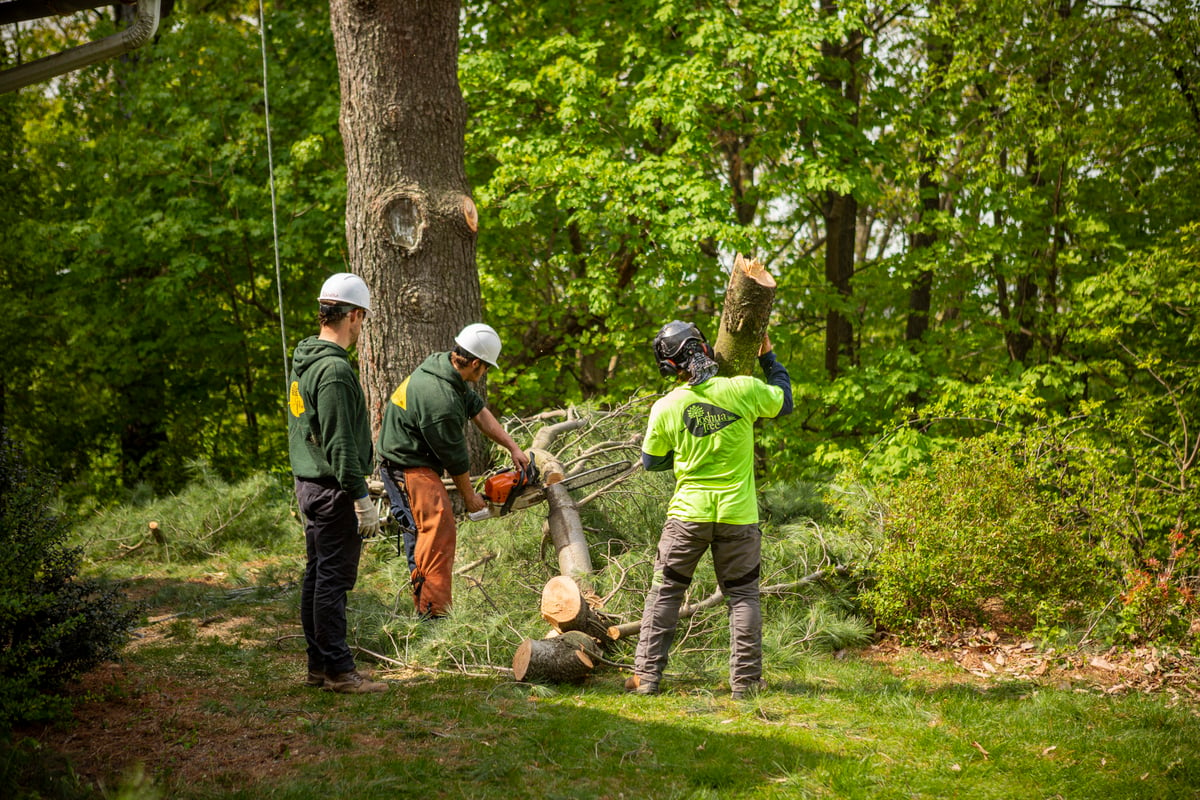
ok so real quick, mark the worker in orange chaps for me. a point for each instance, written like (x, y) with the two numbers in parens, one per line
(423, 435)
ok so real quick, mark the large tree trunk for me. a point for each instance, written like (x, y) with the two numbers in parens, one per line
(840, 211)
(410, 219)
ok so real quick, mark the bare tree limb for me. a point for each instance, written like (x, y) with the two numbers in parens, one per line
(631, 628)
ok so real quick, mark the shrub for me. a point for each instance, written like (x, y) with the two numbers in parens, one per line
(975, 539)
(54, 626)
(1160, 598)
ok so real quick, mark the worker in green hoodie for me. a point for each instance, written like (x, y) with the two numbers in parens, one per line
(423, 435)
(329, 444)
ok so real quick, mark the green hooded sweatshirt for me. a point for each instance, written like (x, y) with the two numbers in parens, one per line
(328, 432)
(424, 419)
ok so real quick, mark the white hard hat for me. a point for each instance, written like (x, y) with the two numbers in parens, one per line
(481, 341)
(348, 288)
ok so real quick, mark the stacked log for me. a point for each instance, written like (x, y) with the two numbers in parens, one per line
(578, 642)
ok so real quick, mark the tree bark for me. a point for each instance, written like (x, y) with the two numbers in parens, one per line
(561, 659)
(840, 211)
(410, 219)
(566, 532)
(939, 52)
(744, 317)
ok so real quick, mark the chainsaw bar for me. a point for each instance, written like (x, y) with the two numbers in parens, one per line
(534, 495)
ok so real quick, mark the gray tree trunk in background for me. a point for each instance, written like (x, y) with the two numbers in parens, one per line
(410, 219)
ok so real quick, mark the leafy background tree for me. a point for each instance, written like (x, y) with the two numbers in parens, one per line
(981, 217)
(142, 248)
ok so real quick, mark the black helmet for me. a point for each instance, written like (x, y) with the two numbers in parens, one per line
(674, 345)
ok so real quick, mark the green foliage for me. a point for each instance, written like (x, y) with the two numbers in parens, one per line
(208, 517)
(976, 539)
(54, 625)
(142, 249)
(1161, 600)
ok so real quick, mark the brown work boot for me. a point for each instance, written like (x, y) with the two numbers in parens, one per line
(353, 682)
(316, 678)
(635, 685)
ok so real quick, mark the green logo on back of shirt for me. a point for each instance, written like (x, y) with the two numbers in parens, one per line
(702, 419)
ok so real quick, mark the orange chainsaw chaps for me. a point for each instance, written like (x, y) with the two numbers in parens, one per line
(437, 538)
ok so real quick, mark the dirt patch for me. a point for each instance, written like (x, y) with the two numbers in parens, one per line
(191, 729)
(986, 656)
(182, 732)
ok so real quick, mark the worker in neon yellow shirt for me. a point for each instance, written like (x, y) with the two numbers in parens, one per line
(704, 431)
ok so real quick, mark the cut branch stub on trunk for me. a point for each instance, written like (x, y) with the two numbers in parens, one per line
(566, 608)
(744, 316)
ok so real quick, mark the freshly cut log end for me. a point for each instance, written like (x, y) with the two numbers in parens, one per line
(563, 605)
(521, 659)
(565, 608)
(744, 316)
(754, 270)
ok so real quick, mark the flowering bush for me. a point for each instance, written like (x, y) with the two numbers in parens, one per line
(1160, 598)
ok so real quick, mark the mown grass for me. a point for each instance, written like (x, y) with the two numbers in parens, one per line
(828, 727)
(209, 702)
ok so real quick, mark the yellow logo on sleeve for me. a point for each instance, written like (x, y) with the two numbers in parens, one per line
(295, 401)
(400, 396)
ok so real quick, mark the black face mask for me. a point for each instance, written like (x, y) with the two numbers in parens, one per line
(700, 367)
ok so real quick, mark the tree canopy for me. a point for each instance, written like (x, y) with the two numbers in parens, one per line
(974, 211)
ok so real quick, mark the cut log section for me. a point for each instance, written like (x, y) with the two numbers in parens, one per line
(563, 659)
(744, 317)
(566, 608)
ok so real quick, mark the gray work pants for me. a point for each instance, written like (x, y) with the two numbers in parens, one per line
(737, 554)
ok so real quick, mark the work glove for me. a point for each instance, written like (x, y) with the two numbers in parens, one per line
(368, 517)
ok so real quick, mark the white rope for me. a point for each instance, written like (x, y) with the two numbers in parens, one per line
(262, 31)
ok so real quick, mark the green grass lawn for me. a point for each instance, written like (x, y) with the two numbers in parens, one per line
(209, 703)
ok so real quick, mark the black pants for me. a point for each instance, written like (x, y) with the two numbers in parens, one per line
(333, 546)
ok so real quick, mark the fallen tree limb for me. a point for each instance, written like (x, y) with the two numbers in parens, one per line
(631, 628)
(476, 563)
(633, 470)
(566, 532)
(548, 433)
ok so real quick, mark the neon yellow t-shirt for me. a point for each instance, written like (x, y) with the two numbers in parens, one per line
(710, 429)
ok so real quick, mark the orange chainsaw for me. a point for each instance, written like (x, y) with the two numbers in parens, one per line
(514, 489)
